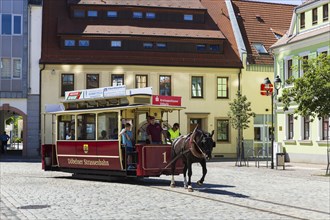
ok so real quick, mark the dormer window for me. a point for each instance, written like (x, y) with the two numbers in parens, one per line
(112, 14)
(116, 43)
(187, 17)
(201, 47)
(150, 15)
(78, 13)
(214, 47)
(147, 45)
(137, 15)
(260, 48)
(161, 45)
(69, 43)
(83, 43)
(92, 14)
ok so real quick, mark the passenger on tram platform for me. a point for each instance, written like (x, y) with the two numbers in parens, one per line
(127, 139)
(155, 131)
(174, 132)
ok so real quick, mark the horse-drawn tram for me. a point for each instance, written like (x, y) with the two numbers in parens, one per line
(86, 139)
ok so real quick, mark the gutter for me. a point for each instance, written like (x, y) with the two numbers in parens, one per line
(40, 80)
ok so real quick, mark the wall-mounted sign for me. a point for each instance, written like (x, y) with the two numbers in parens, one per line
(166, 100)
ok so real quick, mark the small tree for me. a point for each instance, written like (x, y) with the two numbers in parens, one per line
(239, 115)
(311, 92)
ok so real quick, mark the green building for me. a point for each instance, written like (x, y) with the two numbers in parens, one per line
(304, 140)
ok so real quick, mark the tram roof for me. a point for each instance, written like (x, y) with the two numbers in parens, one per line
(140, 106)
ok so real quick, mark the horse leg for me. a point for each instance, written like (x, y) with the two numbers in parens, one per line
(172, 180)
(185, 168)
(203, 164)
(190, 189)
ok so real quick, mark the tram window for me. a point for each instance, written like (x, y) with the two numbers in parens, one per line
(107, 125)
(86, 127)
(66, 125)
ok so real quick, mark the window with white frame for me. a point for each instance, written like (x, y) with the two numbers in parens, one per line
(314, 16)
(17, 25)
(5, 67)
(323, 50)
(290, 130)
(197, 87)
(325, 12)
(11, 24)
(222, 85)
(288, 68)
(306, 128)
(325, 128)
(17, 68)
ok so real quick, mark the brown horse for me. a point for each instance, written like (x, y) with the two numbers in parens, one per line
(195, 147)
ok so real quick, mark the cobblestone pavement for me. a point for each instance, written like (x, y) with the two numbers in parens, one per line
(299, 192)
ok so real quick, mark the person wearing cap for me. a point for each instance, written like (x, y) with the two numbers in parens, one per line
(154, 131)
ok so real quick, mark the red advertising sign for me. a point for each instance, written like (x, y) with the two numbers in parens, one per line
(266, 89)
(166, 100)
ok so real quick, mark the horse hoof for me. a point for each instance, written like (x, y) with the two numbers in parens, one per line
(199, 183)
(185, 186)
(190, 189)
(172, 185)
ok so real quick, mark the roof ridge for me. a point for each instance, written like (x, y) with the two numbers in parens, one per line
(261, 2)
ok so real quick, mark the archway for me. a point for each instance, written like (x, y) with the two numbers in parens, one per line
(18, 142)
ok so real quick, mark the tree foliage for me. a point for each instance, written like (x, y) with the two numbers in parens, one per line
(240, 112)
(311, 92)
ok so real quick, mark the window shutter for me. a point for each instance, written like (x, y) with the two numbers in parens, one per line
(295, 67)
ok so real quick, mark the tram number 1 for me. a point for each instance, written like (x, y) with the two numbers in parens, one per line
(164, 154)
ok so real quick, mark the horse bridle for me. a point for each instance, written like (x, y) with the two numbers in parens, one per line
(199, 148)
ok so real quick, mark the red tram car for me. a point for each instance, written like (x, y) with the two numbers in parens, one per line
(78, 147)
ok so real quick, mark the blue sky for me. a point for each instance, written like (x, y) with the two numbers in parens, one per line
(292, 2)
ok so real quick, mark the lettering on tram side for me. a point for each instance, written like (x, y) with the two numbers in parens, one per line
(88, 162)
(164, 154)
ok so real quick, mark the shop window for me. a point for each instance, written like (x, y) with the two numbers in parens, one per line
(222, 130)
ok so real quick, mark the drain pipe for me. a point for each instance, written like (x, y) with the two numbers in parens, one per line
(40, 80)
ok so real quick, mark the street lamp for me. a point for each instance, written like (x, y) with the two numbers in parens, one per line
(269, 90)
